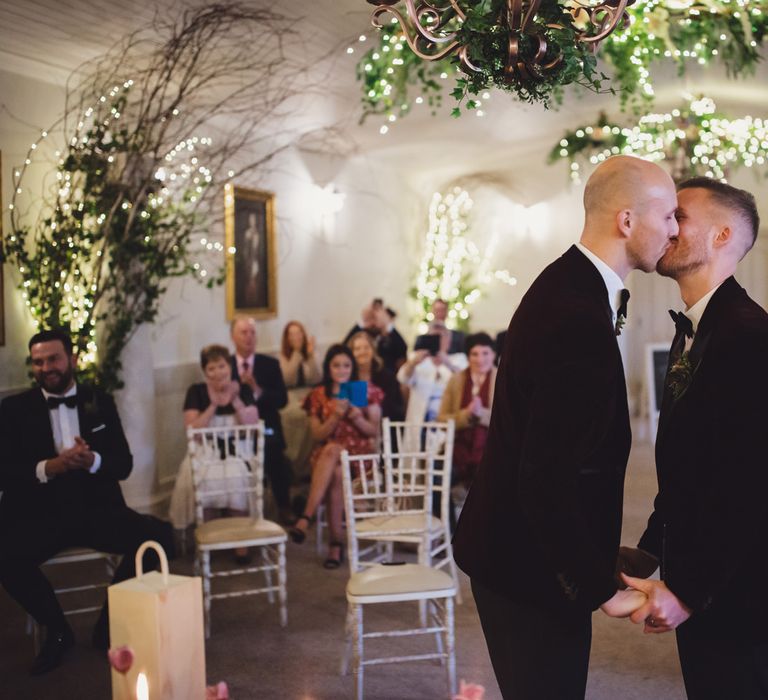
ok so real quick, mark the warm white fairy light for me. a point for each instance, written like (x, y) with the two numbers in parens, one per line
(655, 134)
(447, 255)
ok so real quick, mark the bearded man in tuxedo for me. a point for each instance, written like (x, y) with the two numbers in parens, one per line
(539, 532)
(64, 454)
(710, 519)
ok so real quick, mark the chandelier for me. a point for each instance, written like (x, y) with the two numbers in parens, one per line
(431, 28)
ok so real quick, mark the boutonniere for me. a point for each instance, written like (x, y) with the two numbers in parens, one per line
(680, 375)
(91, 408)
(621, 319)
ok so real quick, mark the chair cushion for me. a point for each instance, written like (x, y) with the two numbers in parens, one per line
(397, 522)
(400, 580)
(240, 529)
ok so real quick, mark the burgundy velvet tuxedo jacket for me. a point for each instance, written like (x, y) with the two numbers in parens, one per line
(27, 438)
(542, 520)
(709, 527)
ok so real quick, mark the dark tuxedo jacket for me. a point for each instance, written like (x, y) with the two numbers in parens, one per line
(392, 349)
(274, 396)
(710, 521)
(27, 438)
(542, 520)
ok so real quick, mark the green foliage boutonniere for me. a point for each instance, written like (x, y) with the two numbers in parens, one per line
(680, 375)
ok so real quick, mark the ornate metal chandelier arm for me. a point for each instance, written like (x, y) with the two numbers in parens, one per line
(613, 12)
(418, 32)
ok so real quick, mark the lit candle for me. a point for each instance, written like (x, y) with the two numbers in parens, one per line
(142, 687)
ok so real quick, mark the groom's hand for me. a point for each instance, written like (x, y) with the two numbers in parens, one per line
(663, 612)
(623, 603)
(635, 562)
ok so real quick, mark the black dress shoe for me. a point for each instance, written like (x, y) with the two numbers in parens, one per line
(57, 644)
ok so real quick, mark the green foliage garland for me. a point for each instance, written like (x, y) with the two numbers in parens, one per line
(693, 140)
(729, 31)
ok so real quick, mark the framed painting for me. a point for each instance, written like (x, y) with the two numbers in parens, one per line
(249, 229)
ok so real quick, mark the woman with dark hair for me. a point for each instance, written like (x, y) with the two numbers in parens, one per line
(217, 402)
(336, 425)
(371, 369)
(467, 399)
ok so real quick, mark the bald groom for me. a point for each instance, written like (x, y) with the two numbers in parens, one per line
(539, 533)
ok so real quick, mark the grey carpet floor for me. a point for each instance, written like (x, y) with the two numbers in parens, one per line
(259, 660)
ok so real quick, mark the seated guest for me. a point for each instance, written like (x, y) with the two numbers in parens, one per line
(215, 403)
(427, 376)
(336, 426)
(64, 454)
(467, 400)
(390, 345)
(371, 369)
(297, 357)
(262, 375)
(300, 371)
(440, 316)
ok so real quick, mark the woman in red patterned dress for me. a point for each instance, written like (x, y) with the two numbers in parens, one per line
(336, 425)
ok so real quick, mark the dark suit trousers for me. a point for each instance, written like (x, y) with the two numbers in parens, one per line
(278, 472)
(536, 654)
(25, 545)
(717, 666)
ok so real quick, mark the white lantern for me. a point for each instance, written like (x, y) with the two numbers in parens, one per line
(160, 617)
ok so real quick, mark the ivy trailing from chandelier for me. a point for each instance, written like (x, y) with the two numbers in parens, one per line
(532, 51)
(692, 140)
(394, 78)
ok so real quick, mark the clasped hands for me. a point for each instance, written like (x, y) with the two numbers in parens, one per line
(342, 407)
(645, 601)
(79, 456)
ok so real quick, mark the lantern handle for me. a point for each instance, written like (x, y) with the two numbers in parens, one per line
(151, 544)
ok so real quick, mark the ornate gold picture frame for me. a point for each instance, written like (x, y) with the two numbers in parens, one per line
(251, 273)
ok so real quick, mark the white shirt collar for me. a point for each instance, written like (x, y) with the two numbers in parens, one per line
(613, 283)
(72, 392)
(241, 360)
(697, 310)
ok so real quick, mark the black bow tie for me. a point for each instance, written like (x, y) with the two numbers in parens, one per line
(623, 299)
(683, 324)
(56, 401)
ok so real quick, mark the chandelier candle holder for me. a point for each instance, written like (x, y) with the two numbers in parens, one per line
(525, 46)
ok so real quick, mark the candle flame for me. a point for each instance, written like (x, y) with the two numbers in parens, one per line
(142, 687)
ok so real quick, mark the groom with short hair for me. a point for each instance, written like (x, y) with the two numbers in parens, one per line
(709, 526)
(539, 533)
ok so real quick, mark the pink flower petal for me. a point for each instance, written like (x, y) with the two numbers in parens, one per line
(121, 658)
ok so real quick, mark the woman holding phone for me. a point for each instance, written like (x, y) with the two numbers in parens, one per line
(336, 425)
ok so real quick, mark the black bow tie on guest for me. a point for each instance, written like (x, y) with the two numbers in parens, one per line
(56, 401)
(683, 324)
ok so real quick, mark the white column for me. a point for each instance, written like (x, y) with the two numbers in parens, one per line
(136, 406)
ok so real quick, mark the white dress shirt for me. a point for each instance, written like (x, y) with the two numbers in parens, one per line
(65, 424)
(613, 283)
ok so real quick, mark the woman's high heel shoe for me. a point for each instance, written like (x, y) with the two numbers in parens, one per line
(330, 562)
(298, 535)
